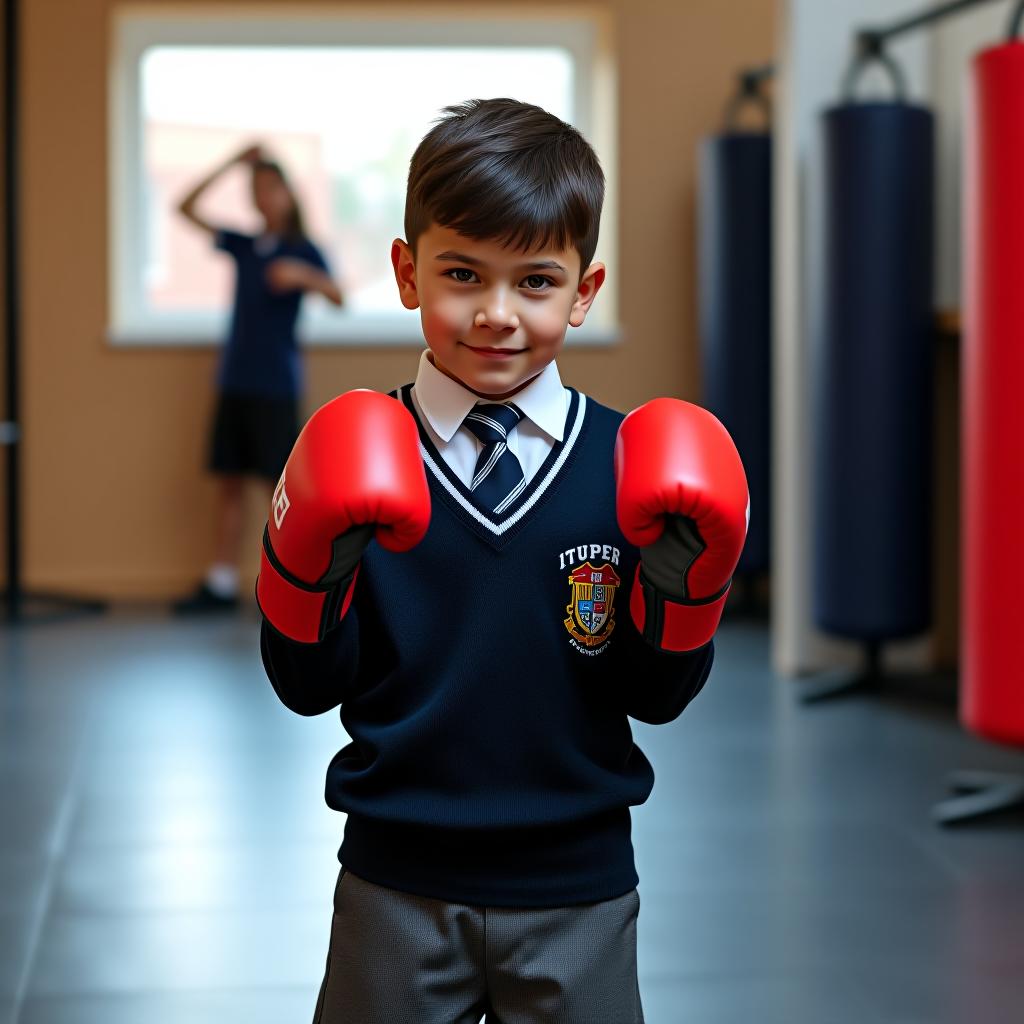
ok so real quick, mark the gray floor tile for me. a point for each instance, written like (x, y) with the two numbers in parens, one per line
(743, 997)
(22, 881)
(785, 930)
(142, 879)
(134, 953)
(267, 1006)
(913, 992)
(786, 855)
(166, 854)
(219, 817)
(17, 934)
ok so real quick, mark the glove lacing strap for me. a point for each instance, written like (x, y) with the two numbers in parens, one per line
(290, 605)
(658, 610)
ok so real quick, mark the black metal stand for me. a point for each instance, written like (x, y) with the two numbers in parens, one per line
(749, 83)
(982, 794)
(844, 682)
(938, 687)
(14, 602)
(869, 40)
(869, 43)
(38, 607)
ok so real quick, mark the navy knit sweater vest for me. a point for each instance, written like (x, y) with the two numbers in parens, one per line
(485, 679)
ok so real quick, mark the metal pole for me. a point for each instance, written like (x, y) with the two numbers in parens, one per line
(1015, 21)
(869, 43)
(9, 430)
(924, 18)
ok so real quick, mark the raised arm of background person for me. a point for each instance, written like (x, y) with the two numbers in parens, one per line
(326, 286)
(187, 207)
(292, 274)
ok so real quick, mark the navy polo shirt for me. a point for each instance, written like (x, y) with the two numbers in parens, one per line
(261, 354)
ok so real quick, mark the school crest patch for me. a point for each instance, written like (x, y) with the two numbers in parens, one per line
(591, 610)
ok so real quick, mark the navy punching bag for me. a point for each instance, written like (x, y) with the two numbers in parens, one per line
(734, 298)
(873, 386)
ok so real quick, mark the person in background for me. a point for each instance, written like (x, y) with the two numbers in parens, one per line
(259, 380)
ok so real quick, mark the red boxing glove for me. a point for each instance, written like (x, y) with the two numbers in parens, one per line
(355, 471)
(681, 497)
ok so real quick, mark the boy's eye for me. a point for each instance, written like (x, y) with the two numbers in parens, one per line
(537, 282)
(461, 274)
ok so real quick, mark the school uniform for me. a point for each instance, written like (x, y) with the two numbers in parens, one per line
(486, 679)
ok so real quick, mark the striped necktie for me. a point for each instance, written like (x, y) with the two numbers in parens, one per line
(498, 478)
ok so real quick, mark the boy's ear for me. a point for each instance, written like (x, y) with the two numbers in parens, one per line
(587, 289)
(405, 273)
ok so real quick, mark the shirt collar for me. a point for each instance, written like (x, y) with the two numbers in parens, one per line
(445, 402)
(265, 243)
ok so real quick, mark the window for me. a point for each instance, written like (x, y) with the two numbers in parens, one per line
(341, 102)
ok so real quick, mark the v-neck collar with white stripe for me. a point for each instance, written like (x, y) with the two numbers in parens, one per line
(497, 529)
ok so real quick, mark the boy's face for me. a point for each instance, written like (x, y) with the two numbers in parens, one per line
(493, 317)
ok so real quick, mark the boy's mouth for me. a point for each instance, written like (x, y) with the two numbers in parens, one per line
(493, 352)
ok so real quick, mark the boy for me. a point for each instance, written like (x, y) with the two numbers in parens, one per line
(488, 647)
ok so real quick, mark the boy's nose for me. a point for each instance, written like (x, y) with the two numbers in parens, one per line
(496, 314)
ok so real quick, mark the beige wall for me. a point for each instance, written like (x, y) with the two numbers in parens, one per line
(115, 503)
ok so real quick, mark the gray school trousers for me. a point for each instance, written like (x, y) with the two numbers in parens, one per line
(397, 958)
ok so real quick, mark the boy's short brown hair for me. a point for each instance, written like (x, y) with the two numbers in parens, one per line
(507, 171)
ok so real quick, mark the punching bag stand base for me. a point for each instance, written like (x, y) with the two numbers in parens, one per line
(935, 686)
(981, 794)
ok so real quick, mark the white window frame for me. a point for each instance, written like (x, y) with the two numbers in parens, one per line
(584, 32)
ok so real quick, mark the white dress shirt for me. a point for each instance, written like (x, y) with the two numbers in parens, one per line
(443, 403)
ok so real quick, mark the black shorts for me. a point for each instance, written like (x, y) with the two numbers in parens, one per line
(253, 435)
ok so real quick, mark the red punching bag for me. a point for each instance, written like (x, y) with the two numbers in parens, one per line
(992, 397)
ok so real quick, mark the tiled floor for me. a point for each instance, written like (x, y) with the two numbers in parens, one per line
(166, 856)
